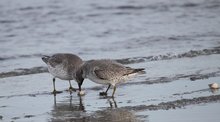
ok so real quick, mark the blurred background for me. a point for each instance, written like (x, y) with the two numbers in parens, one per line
(104, 29)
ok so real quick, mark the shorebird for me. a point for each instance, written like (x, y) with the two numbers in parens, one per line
(107, 72)
(64, 67)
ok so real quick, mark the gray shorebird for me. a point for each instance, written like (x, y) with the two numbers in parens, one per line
(106, 72)
(64, 67)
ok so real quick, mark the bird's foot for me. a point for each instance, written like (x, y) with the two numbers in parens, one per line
(81, 93)
(56, 92)
(102, 93)
(71, 89)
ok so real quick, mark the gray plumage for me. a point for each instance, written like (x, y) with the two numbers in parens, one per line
(63, 66)
(107, 72)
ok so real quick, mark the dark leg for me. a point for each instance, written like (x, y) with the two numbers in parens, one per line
(111, 103)
(54, 89)
(105, 93)
(71, 88)
(108, 88)
(79, 86)
(115, 102)
(113, 91)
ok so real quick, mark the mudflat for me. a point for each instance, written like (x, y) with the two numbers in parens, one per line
(177, 42)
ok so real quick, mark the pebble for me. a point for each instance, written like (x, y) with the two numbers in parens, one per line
(213, 86)
(81, 93)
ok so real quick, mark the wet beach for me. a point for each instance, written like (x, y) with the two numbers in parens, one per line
(177, 42)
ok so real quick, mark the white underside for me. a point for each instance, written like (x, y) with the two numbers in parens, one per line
(112, 82)
(58, 72)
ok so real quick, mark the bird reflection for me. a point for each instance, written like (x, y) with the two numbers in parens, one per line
(112, 103)
(214, 91)
(73, 110)
(70, 105)
(69, 110)
(113, 115)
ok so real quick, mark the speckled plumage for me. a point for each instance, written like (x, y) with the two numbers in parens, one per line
(63, 65)
(107, 72)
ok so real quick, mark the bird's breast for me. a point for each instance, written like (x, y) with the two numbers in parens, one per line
(61, 73)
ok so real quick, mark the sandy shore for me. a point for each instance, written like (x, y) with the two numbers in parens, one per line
(28, 95)
(177, 42)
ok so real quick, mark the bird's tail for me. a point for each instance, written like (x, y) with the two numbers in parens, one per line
(45, 58)
(135, 71)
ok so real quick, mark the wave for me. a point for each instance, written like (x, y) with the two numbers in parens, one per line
(169, 56)
(19, 56)
(163, 6)
(23, 71)
(193, 77)
(41, 69)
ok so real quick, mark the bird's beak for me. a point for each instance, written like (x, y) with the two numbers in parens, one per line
(79, 78)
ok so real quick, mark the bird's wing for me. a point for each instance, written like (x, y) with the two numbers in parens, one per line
(100, 74)
(110, 71)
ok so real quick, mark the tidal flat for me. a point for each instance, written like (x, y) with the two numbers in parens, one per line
(177, 42)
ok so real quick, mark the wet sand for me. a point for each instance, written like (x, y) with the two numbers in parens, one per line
(177, 42)
(27, 97)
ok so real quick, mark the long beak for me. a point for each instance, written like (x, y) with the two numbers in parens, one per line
(80, 83)
(79, 78)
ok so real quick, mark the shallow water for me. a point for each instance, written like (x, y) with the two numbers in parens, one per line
(178, 42)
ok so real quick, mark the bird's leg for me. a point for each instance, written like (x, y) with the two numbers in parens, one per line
(54, 89)
(105, 93)
(114, 91)
(111, 103)
(108, 88)
(71, 88)
(115, 102)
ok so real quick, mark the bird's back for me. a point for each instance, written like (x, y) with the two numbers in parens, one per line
(107, 69)
(63, 65)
